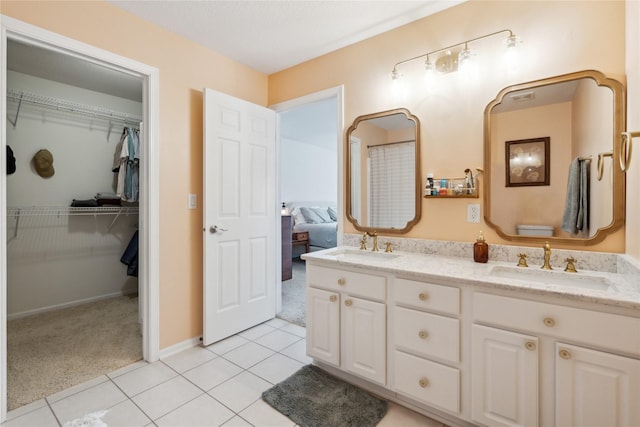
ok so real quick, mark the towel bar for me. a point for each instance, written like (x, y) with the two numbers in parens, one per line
(626, 148)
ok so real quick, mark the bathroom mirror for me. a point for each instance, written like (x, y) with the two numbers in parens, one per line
(383, 172)
(582, 116)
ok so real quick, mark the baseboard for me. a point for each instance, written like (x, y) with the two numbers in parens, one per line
(181, 346)
(27, 313)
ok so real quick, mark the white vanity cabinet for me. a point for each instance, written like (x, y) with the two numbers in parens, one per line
(504, 370)
(346, 321)
(426, 342)
(594, 388)
(591, 386)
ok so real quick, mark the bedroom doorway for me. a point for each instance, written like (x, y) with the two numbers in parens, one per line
(309, 141)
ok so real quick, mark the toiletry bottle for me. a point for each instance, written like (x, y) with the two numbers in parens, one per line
(480, 249)
(429, 187)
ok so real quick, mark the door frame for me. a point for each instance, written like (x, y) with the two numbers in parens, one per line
(336, 92)
(14, 29)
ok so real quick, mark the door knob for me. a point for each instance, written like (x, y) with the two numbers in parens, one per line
(214, 229)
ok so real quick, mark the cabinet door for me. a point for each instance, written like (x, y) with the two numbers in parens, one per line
(364, 338)
(594, 388)
(504, 377)
(323, 325)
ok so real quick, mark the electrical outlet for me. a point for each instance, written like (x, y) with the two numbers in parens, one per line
(473, 213)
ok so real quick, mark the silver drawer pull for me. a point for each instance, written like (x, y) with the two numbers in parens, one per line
(423, 382)
(530, 345)
(549, 321)
(565, 354)
(423, 296)
(423, 334)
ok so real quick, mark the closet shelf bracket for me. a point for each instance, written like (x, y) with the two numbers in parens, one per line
(14, 122)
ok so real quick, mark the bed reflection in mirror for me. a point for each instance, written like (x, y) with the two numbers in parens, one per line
(383, 177)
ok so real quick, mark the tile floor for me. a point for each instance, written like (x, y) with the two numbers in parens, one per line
(219, 385)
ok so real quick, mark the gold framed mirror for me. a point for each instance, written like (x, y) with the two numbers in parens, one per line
(383, 172)
(583, 115)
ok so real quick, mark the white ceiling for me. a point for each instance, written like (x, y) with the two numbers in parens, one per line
(272, 35)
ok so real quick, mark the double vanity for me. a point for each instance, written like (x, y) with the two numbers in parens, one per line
(480, 344)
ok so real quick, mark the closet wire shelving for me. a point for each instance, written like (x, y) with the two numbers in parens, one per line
(70, 107)
(58, 211)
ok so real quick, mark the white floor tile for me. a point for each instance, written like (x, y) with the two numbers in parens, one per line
(295, 330)
(228, 344)
(400, 416)
(144, 378)
(42, 417)
(298, 351)
(126, 414)
(237, 422)
(248, 355)
(98, 398)
(166, 397)
(256, 331)
(277, 340)
(18, 412)
(128, 368)
(276, 323)
(77, 388)
(240, 391)
(263, 415)
(276, 368)
(212, 373)
(189, 358)
(203, 411)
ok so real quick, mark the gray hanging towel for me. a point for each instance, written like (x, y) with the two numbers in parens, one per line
(576, 210)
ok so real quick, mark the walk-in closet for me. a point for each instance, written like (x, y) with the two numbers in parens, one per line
(73, 159)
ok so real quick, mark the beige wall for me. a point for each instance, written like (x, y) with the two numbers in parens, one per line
(185, 68)
(558, 37)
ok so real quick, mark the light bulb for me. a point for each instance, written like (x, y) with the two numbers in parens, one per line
(429, 73)
(512, 53)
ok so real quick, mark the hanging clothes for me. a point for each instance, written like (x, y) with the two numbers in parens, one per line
(126, 163)
(130, 256)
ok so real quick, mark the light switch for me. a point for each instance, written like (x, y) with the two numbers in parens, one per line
(192, 202)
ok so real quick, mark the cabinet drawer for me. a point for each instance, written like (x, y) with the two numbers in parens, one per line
(427, 296)
(591, 327)
(427, 334)
(361, 284)
(301, 235)
(427, 381)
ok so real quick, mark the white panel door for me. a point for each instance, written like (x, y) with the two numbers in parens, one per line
(596, 389)
(239, 215)
(504, 369)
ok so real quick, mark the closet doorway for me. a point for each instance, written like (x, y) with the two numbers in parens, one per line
(76, 291)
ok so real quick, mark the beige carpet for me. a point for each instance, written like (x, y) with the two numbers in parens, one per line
(50, 352)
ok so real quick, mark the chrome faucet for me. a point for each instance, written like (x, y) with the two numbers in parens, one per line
(547, 256)
(375, 240)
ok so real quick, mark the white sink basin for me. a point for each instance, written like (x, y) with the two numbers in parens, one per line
(352, 254)
(561, 278)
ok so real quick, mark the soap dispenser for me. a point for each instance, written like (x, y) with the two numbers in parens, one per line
(480, 249)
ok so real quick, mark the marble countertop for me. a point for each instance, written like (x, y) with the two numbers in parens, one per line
(623, 290)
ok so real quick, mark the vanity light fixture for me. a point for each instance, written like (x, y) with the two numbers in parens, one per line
(459, 56)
